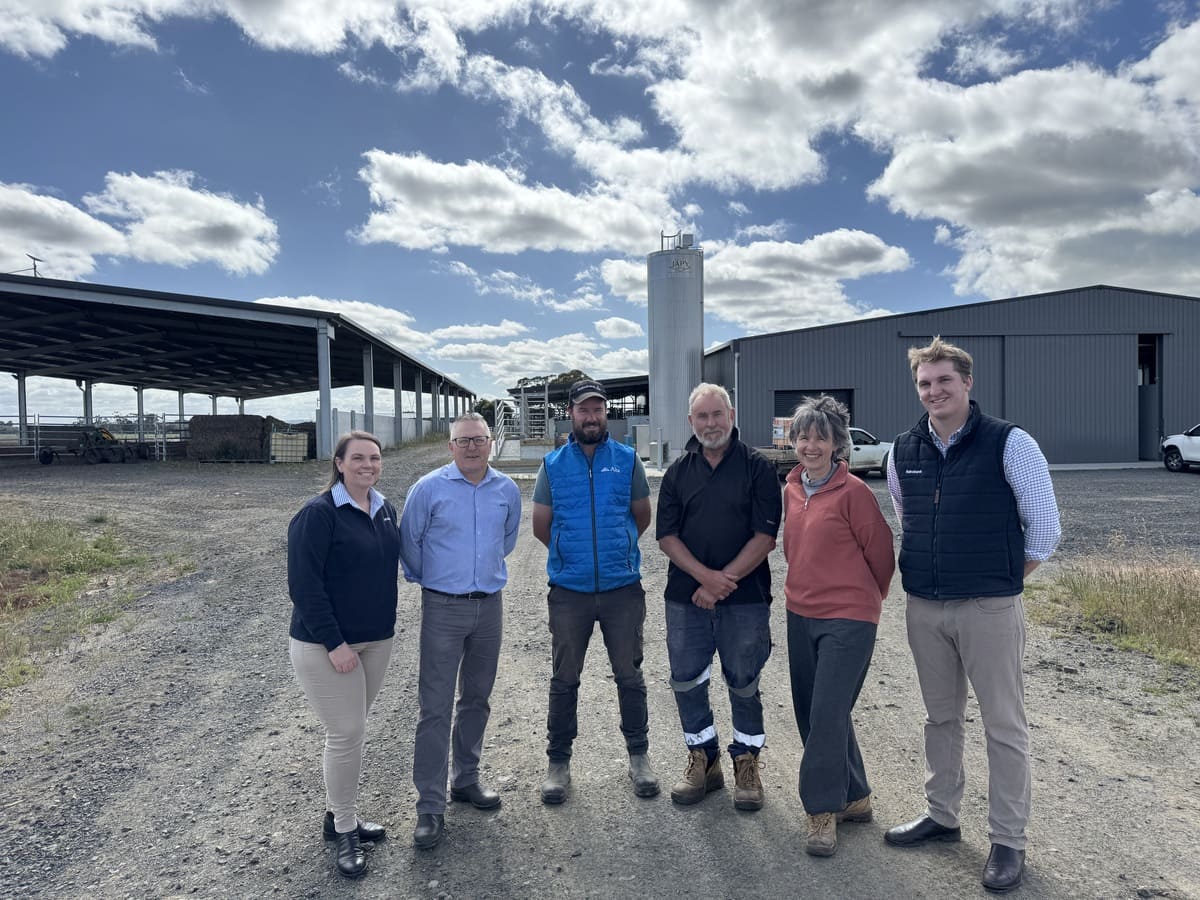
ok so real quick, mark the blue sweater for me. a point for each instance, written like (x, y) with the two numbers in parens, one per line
(593, 536)
(342, 568)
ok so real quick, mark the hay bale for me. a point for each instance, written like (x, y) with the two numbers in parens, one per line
(227, 438)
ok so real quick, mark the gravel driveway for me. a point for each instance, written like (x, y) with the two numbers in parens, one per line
(171, 752)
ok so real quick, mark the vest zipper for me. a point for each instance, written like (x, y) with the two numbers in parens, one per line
(937, 496)
(595, 542)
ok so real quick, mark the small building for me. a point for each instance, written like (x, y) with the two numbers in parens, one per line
(1096, 374)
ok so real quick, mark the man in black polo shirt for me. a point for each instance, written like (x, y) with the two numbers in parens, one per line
(719, 508)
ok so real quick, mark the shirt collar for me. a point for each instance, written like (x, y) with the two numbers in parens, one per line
(341, 497)
(454, 472)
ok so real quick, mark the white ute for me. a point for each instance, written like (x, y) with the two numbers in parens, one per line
(1180, 450)
(867, 452)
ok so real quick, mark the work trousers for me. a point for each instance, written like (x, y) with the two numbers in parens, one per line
(828, 661)
(460, 642)
(741, 634)
(982, 640)
(341, 701)
(573, 616)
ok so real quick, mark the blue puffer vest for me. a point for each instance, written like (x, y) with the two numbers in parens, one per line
(962, 532)
(593, 538)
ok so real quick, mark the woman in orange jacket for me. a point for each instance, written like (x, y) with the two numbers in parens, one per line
(840, 562)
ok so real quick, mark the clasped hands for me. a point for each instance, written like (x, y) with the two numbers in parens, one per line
(714, 587)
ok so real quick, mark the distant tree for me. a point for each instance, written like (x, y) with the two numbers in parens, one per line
(487, 409)
(566, 379)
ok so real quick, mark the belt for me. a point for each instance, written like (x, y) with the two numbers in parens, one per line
(470, 595)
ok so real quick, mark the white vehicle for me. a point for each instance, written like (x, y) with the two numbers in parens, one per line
(867, 452)
(1180, 450)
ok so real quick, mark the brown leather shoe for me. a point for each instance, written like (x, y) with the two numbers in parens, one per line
(1003, 870)
(857, 811)
(699, 779)
(748, 786)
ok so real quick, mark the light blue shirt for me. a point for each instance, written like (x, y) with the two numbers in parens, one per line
(341, 497)
(454, 535)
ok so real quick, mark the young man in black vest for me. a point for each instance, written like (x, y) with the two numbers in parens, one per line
(974, 497)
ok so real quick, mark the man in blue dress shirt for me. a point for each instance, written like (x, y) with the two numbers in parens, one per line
(459, 523)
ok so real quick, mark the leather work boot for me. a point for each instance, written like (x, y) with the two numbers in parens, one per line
(822, 835)
(558, 776)
(699, 778)
(645, 781)
(748, 788)
(858, 811)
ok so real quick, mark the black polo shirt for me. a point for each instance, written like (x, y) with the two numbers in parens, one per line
(716, 511)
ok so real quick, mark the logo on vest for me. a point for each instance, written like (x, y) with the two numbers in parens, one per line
(616, 469)
(913, 471)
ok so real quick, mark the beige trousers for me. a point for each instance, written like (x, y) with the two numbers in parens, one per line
(341, 702)
(982, 640)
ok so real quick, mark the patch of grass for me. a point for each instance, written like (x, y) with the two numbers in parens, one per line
(1146, 601)
(46, 565)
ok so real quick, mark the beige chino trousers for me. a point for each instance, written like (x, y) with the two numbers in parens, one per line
(982, 640)
(341, 701)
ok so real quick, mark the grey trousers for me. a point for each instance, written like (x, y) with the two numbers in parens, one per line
(983, 640)
(460, 642)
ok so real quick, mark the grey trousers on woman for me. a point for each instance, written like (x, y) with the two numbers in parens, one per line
(460, 642)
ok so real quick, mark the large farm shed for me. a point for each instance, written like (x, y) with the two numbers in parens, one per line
(1096, 374)
(205, 345)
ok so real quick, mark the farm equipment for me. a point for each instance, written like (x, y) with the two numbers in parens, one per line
(93, 444)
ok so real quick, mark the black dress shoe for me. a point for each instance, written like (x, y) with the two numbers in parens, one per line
(429, 830)
(1004, 869)
(351, 858)
(367, 831)
(920, 831)
(478, 796)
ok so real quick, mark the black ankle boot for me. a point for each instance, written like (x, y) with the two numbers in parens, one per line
(351, 859)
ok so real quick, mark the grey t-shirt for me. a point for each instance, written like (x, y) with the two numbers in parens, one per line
(639, 489)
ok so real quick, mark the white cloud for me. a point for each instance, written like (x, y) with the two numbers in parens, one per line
(65, 237)
(1050, 179)
(776, 231)
(772, 285)
(977, 55)
(617, 328)
(507, 362)
(171, 222)
(396, 327)
(421, 204)
(525, 289)
(506, 328)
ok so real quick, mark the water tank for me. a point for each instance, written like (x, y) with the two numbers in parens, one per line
(675, 297)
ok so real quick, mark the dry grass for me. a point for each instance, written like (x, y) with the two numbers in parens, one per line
(1139, 599)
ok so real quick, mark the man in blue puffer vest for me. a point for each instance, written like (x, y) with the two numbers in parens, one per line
(974, 496)
(591, 502)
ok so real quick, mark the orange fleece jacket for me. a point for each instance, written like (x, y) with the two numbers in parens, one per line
(838, 548)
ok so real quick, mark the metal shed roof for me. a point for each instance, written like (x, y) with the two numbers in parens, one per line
(178, 342)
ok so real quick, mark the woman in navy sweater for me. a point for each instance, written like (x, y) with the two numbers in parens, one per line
(343, 557)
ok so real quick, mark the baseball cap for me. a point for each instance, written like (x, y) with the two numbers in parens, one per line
(582, 390)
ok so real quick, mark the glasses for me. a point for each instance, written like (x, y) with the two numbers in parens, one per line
(478, 441)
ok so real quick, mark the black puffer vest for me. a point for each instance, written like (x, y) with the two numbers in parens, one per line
(962, 532)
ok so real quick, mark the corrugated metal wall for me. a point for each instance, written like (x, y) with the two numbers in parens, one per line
(1062, 365)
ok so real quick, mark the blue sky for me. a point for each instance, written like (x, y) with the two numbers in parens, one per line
(480, 182)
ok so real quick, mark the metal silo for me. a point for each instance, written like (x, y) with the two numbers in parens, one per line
(675, 298)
